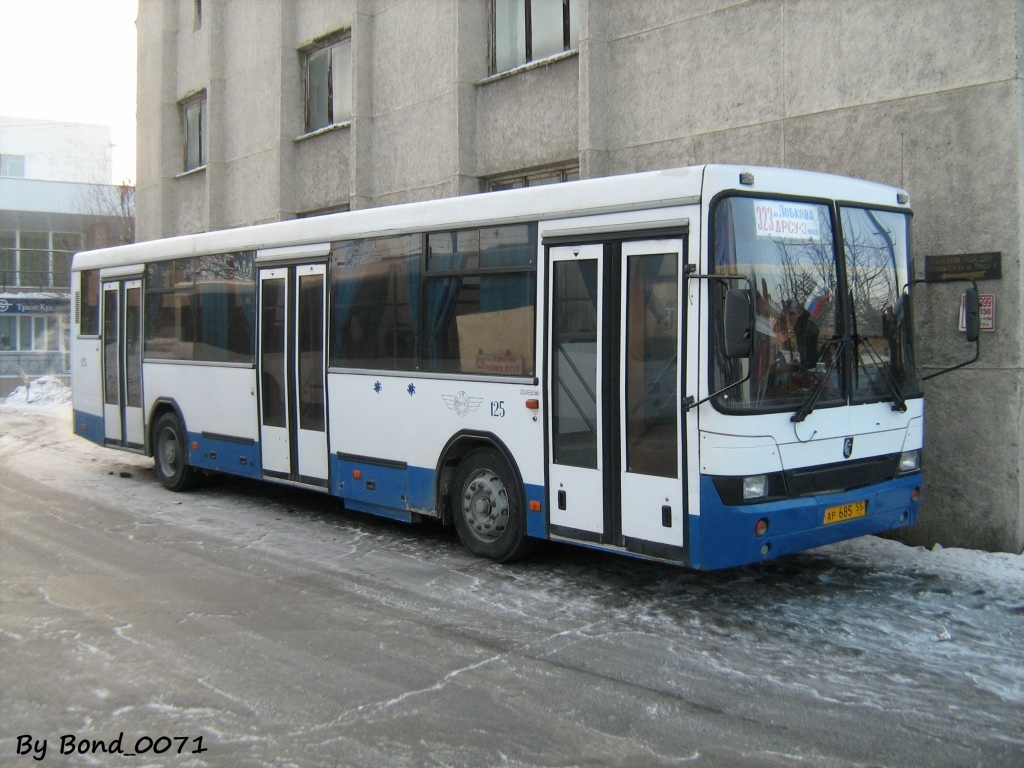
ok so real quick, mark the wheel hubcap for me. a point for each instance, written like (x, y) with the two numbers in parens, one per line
(168, 452)
(485, 505)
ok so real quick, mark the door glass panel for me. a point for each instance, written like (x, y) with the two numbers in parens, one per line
(133, 347)
(272, 360)
(311, 352)
(652, 364)
(574, 359)
(110, 348)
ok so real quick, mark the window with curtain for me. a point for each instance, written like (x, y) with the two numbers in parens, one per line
(202, 308)
(374, 300)
(465, 304)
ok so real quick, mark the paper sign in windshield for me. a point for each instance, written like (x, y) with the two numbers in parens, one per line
(786, 221)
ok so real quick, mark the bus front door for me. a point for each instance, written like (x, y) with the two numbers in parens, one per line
(123, 422)
(292, 318)
(616, 464)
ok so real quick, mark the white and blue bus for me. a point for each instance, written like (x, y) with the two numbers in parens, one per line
(709, 366)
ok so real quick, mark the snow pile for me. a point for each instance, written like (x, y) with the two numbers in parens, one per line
(46, 391)
(884, 554)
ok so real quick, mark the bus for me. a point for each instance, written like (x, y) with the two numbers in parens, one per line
(708, 366)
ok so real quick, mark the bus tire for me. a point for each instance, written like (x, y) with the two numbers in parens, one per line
(487, 507)
(170, 451)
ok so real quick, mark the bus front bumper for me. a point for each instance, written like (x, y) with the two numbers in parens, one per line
(727, 536)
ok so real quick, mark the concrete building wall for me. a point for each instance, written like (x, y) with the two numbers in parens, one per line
(924, 95)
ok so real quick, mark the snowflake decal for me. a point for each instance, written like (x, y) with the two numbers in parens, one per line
(377, 387)
(411, 389)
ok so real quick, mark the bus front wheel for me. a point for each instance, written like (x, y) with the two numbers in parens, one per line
(171, 454)
(487, 507)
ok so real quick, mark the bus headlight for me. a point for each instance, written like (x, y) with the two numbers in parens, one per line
(910, 461)
(755, 487)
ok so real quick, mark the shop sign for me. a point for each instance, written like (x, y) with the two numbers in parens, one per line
(16, 306)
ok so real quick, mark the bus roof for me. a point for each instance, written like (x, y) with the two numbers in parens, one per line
(609, 194)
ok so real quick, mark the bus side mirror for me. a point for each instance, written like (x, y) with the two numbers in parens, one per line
(972, 310)
(971, 307)
(739, 323)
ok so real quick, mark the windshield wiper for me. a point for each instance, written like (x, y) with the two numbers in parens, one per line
(805, 410)
(899, 402)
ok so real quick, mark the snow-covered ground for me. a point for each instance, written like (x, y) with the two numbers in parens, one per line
(923, 648)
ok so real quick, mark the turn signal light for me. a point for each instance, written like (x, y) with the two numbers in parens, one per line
(535, 506)
(761, 528)
(533, 405)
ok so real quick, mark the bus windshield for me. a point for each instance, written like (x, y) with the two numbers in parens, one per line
(830, 320)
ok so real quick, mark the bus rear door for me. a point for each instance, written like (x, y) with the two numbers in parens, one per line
(123, 422)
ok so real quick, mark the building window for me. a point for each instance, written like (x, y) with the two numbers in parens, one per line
(32, 333)
(193, 111)
(65, 245)
(529, 30)
(329, 84)
(12, 166)
(532, 179)
(8, 258)
(37, 259)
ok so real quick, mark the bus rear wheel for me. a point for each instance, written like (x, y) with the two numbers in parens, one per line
(170, 451)
(487, 507)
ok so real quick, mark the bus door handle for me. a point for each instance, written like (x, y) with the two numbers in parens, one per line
(561, 499)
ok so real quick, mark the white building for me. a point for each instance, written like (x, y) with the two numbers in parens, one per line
(55, 199)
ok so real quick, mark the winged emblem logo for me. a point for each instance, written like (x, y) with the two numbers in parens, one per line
(461, 403)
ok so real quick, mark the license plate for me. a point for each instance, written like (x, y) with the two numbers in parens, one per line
(845, 512)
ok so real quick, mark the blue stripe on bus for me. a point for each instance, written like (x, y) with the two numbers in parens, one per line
(723, 536)
(381, 485)
(420, 488)
(89, 426)
(395, 492)
(232, 457)
(536, 522)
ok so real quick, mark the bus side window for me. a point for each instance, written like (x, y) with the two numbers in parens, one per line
(90, 292)
(479, 296)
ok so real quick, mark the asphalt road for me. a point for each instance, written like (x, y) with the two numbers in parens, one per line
(251, 625)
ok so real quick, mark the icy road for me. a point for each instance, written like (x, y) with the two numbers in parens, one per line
(250, 625)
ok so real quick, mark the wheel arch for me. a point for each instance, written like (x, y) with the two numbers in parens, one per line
(161, 406)
(460, 445)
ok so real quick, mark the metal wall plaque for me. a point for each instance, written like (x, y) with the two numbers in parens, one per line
(979, 266)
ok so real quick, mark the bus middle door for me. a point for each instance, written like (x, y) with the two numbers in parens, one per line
(292, 318)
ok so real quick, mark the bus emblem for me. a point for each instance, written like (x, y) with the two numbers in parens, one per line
(460, 403)
(848, 448)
